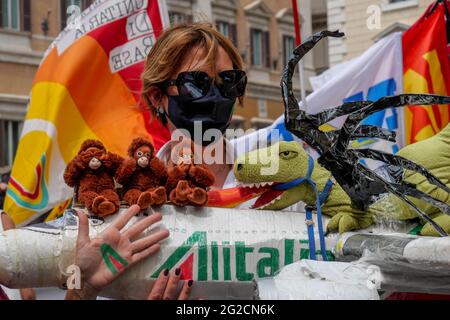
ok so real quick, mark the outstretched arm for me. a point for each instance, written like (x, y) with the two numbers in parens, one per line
(202, 175)
(159, 169)
(8, 224)
(73, 171)
(175, 174)
(125, 171)
(127, 246)
(112, 161)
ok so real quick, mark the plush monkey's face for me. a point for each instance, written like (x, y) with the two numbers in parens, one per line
(185, 156)
(93, 155)
(143, 155)
(94, 164)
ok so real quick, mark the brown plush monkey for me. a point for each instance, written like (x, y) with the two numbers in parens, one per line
(143, 176)
(188, 182)
(92, 171)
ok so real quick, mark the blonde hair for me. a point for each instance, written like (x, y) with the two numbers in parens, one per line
(172, 47)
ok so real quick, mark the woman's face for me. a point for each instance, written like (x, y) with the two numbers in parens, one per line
(193, 62)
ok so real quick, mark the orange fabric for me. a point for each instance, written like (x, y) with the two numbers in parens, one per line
(104, 102)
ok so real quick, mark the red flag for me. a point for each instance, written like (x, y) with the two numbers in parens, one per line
(426, 70)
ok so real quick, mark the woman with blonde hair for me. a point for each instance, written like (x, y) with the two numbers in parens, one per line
(192, 80)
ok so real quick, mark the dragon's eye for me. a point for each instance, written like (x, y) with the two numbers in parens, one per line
(140, 153)
(288, 155)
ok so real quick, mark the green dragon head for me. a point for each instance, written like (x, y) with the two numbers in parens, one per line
(287, 161)
(279, 163)
(263, 168)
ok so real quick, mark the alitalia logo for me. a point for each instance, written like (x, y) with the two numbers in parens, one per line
(112, 259)
(238, 262)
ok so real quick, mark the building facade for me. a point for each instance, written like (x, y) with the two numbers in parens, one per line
(27, 28)
(262, 30)
(366, 21)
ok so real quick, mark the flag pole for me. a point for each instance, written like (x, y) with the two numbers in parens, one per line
(445, 3)
(298, 41)
(447, 16)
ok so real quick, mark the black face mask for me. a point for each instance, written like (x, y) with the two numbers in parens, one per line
(213, 110)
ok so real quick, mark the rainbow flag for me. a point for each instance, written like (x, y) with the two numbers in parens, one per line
(87, 87)
(426, 70)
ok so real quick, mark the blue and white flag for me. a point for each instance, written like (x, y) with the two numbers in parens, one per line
(377, 73)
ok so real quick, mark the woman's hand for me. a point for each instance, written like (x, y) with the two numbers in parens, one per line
(105, 257)
(165, 287)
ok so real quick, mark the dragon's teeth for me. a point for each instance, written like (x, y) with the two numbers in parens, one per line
(265, 184)
(255, 184)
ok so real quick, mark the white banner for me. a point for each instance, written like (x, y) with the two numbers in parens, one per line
(377, 73)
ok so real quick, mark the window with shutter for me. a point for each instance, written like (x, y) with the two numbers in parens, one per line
(288, 48)
(63, 13)
(26, 15)
(260, 48)
(10, 18)
(1, 14)
(228, 30)
(233, 34)
(252, 49)
(14, 14)
(266, 49)
(9, 139)
(223, 28)
(257, 39)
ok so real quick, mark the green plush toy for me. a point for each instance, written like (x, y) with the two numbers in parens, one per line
(434, 155)
(287, 161)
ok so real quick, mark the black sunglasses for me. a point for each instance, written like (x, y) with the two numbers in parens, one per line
(194, 85)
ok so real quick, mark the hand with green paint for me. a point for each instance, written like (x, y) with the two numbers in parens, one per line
(104, 258)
